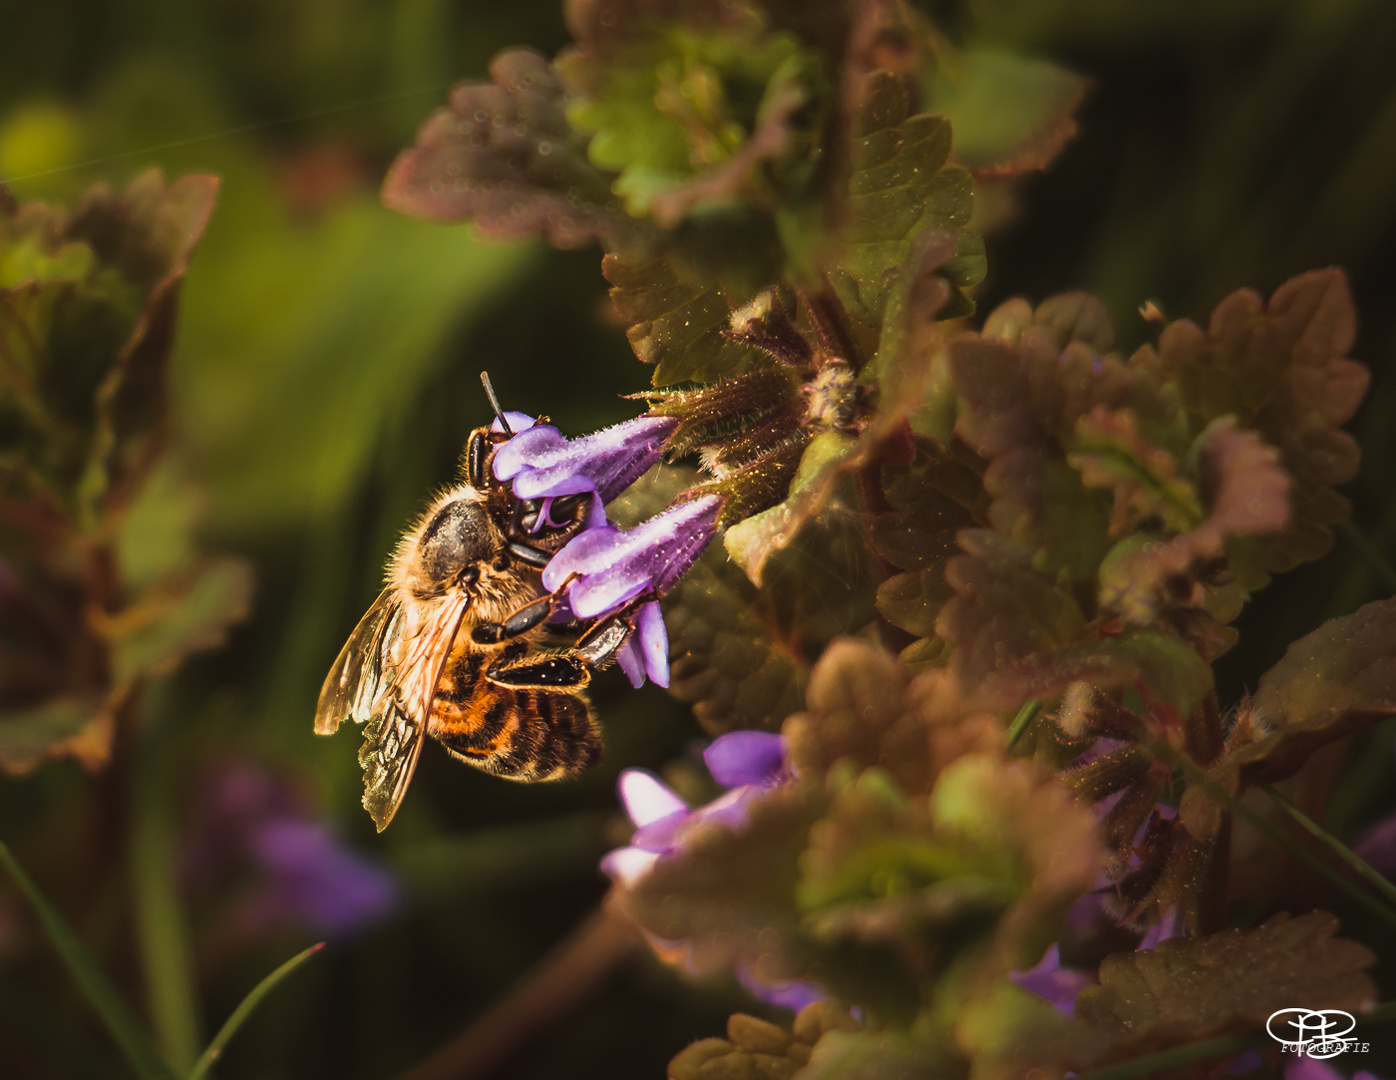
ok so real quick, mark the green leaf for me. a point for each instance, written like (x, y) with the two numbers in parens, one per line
(676, 324)
(503, 156)
(1337, 680)
(1195, 988)
(244, 1010)
(122, 1024)
(1011, 113)
(900, 183)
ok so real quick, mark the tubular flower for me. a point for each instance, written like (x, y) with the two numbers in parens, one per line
(609, 567)
(544, 464)
(605, 568)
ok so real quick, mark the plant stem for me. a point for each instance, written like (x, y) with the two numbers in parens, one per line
(161, 928)
(1022, 720)
(1199, 776)
(1333, 844)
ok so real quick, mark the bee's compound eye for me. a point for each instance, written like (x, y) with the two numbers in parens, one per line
(456, 537)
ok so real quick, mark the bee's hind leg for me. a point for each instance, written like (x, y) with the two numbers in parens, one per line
(553, 672)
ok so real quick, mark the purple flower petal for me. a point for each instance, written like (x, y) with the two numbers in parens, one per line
(1377, 845)
(608, 462)
(613, 566)
(632, 661)
(784, 993)
(1054, 984)
(628, 864)
(652, 642)
(1170, 926)
(517, 422)
(647, 798)
(745, 757)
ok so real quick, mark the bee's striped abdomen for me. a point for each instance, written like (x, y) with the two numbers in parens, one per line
(519, 733)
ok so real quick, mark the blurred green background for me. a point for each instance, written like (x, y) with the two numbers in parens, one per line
(327, 376)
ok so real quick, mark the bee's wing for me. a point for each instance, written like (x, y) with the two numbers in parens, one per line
(363, 669)
(397, 730)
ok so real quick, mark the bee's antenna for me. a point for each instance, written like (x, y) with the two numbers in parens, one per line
(494, 403)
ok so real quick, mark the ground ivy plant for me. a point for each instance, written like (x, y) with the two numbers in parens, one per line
(975, 567)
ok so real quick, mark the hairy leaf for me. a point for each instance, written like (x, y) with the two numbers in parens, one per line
(1339, 679)
(676, 324)
(899, 184)
(503, 155)
(1189, 989)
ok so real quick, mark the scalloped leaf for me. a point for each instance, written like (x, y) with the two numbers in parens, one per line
(87, 323)
(503, 156)
(1282, 368)
(1011, 114)
(900, 183)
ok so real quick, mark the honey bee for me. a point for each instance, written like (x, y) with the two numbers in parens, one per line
(449, 649)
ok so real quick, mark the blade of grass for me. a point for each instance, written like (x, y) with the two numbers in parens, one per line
(1333, 844)
(1022, 720)
(244, 1010)
(1224, 1045)
(138, 1047)
(1199, 776)
(162, 929)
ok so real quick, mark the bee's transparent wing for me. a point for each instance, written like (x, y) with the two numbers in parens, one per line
(397, 729)
(364, 668)
(393, 742)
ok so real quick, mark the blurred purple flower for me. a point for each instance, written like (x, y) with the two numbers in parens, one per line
(309, 876)
(786, 993)
(744, 762)
(1303, 1067)
(252, 825)
(1377, 846)
(1054, 984)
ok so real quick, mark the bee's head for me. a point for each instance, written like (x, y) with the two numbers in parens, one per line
(455, 539)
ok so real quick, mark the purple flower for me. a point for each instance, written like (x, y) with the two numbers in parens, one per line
(253, 838)
(745, 762)
(309, 876)
(544, 464)
(784, 993)
(646, 652)
(1054, 984)
(604, 569)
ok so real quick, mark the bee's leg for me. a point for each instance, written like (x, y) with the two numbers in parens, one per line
(599, 645)
(528, 554)
(556, 671)
(520, 622)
